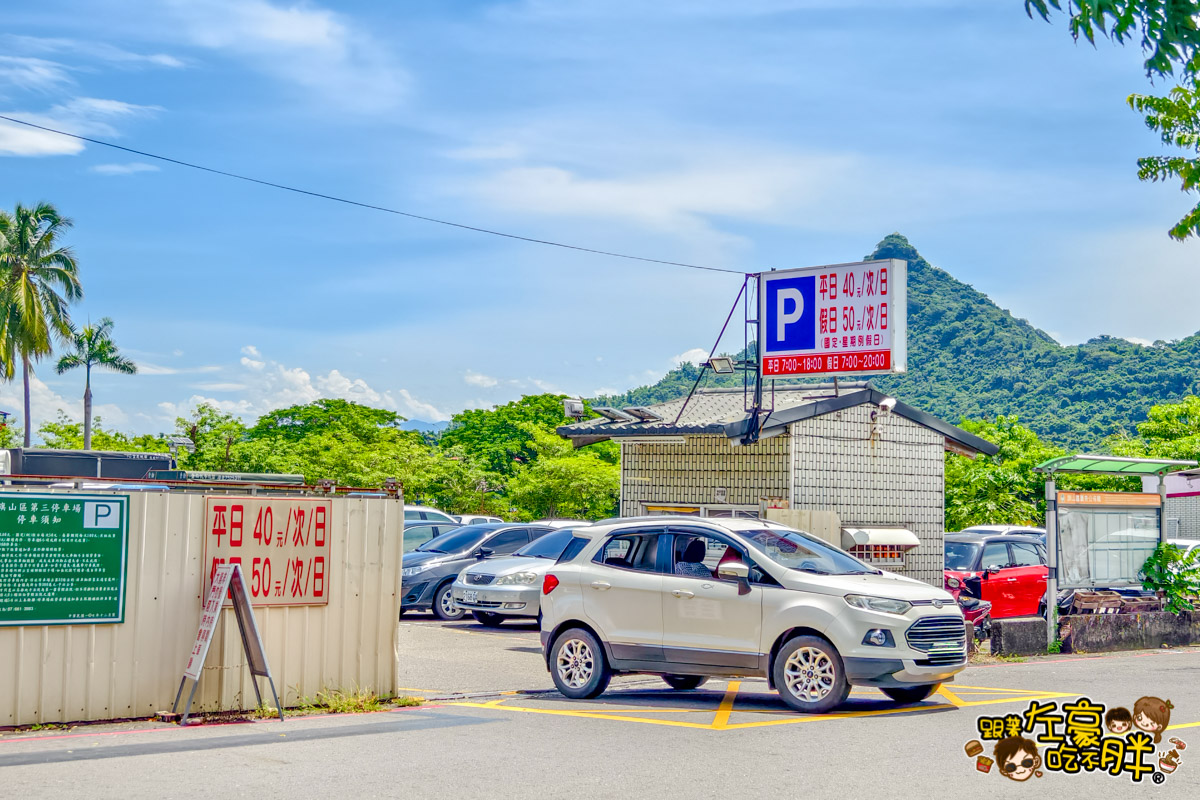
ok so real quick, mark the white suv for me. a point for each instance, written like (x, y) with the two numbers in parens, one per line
(688, 598)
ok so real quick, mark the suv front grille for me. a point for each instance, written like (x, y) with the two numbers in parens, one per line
(944, 660)
(476, 579)
(938, 636)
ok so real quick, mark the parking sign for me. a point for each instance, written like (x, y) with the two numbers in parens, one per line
(842, 319)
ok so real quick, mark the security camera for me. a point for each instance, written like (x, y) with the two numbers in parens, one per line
(887, 404)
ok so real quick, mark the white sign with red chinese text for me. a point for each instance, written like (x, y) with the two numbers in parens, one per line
(208, 620)
(843, 319)
(282, 545)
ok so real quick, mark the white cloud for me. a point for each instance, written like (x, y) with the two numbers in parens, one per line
(1137, 340)
(265, 385)
(694, 356)
(96, 50)
(304, 44)
(147, 368)
(477, 379)
(80, 115)
(123, 169)
(252, 351)
(33, 73)
(219, 387)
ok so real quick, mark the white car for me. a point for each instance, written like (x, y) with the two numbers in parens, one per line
(509, 588)
(427, 513)
(472, 519)
(689, 598)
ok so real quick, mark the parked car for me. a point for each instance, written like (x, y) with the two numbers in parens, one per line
(419, 531)
(506, 588)
(1006, 569)
(1186, 545)
(427, 513)
(468, 519)
(428, 572)
(561, 523)
(688, 598)
(1027, 530)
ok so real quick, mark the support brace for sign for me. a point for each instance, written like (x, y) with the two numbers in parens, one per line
(228, 578)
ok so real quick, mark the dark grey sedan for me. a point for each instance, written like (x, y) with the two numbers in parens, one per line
(429, 571)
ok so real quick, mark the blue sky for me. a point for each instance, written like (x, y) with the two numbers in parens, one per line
(748, 135)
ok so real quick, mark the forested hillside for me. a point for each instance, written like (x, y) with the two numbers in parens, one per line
(968, 358)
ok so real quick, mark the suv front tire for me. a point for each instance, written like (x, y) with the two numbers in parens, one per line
(809, 675)
(578, 665)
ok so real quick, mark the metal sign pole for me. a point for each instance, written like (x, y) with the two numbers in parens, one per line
(1051, 561)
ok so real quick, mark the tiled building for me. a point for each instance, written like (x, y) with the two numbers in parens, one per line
(880, 468)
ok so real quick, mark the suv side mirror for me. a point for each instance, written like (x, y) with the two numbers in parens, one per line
(992, 570)
(484, 552)
(737, 571)
(734, 571)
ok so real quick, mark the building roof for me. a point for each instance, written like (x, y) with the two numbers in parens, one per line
(724, 412)
(1112, 465)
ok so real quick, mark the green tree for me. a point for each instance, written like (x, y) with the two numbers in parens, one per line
(563, 482)
(93, 347)
(1171, 431)
(299, 422)
(498, 439)
(1169, 34)
(214, 434)
(67, 434)
(38, 278)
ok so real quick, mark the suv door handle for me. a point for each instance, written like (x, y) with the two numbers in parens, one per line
(681, 593)
(601, 585)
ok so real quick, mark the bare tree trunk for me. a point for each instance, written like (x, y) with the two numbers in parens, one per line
(25, 374)
(87, 411)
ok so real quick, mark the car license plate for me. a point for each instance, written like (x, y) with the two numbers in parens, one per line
(470, 597)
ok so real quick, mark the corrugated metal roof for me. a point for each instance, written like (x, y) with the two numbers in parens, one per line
(709, 411)
(725, 412)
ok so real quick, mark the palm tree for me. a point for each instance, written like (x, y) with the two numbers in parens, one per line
(37, 281)
(94, 348)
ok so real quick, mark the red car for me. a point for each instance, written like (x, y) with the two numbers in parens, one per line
(1007, 570)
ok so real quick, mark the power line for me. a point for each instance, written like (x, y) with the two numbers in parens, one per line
(349, 202)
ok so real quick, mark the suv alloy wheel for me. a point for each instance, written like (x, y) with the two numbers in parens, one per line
(444, 606)
(809, 675)
(578, 665)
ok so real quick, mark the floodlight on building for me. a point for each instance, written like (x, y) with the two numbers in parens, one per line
(721, 365)
(573, 408)
(887, 404)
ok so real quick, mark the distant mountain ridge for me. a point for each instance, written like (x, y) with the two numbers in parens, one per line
(967, 357)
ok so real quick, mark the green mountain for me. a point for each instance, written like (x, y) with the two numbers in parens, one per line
(969, 358)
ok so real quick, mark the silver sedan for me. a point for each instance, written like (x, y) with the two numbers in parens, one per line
(497, 589)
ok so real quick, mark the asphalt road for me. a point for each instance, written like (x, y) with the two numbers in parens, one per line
(492, 727)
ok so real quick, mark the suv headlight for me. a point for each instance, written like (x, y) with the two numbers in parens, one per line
(526, 578)
(884, 604)
(408, 572)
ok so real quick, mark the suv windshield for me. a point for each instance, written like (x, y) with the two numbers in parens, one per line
(800, 551)
(960, 556)
(456, 541)
(549, 546)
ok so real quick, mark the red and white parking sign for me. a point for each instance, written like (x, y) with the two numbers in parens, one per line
(842, 319)
(282, 545)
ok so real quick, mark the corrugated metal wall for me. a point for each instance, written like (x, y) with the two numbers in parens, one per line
(897, 479)
(87, 672)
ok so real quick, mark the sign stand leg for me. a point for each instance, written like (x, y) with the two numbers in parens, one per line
(257, 693)
(188, 708)
(179, 694)
(275, 694)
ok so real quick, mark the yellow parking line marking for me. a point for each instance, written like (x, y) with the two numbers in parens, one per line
(949, 695)
(591, 715)
(997, 689)
(841, 715)
(721, 720)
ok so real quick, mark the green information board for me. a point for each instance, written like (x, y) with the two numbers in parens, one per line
(62, 558)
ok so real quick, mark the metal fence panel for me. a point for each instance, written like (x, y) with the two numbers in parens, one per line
(87, 672)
